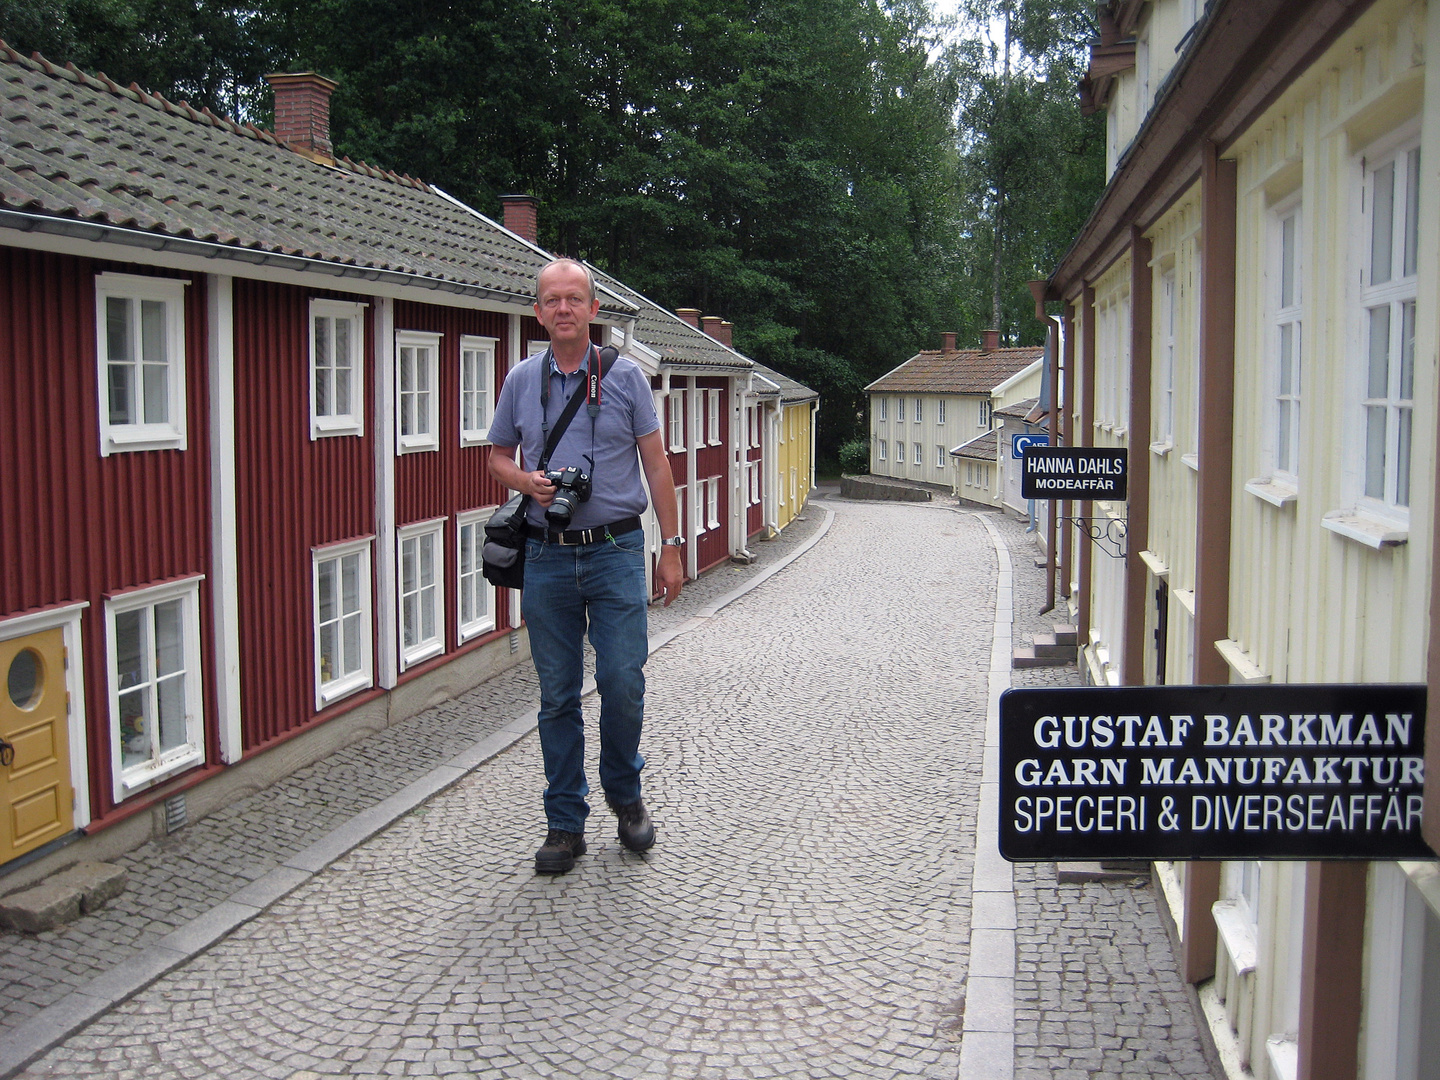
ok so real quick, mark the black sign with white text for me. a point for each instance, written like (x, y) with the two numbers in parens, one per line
(1280, 771)
(1072, 472)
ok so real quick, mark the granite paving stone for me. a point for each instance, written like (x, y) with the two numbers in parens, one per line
(814, 750)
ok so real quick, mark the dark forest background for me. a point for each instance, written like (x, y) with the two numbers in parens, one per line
(842, 179)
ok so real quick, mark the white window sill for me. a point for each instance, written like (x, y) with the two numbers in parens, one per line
(1156, 564)
(124, 440)
(1193, 460)
(1232, 919)
(1119, 431)
(414, 445)
(1365, 529)
(1275, 492)
(326, 427)
(1186, 599)
(1240, 662)
(145, 776)
(1284, 1055)
(475, 629)
(332, 692)
(421, 653)
(713, 442)
(1161, 449)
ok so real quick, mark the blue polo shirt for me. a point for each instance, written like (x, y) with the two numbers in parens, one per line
(603, 446)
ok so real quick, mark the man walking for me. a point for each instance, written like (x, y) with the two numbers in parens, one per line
(591, 571)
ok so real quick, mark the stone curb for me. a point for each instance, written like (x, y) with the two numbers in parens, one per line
(55, 1023)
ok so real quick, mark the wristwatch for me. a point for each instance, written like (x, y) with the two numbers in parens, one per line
(674, 541)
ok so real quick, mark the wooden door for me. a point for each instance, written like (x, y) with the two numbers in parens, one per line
(36, 800)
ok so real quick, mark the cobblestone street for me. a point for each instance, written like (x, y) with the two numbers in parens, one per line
(815, 749)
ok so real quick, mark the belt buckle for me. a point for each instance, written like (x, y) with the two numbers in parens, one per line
(560, 539)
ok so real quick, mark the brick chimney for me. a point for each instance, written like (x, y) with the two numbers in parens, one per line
(711, 325)
(947, 342)
(990, 340)
(302, 112)
(521, 215)
(724, 332)
(690, 315)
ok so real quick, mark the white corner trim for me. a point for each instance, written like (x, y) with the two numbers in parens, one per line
(1232, 919)
(225, 588)
(1240, 662)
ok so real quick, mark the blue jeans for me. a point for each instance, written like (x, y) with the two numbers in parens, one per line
(601, 585)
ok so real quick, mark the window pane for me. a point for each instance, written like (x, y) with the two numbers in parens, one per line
(342, 343)
(409, 621)
(1382, 222)
(1407, 350)
(1375, 451)
(427, 560)
(407, 567)
(157, 393)
(341, 406)
(155, 354)
(122, 377)
(427, 613)
(169, 638)
(422, 370)
(407, 370)
(350, 583)
(1287, 262)
(1378, 384)
(1412, 210)
(1402, 458)
(172, 713)
(325, 587)
(324, 356)
(330, 667)
(1287, 340)
(322, 393)
(422, 413)
(131, 666)
(352, 659)
(1282, 459)
(134, 729)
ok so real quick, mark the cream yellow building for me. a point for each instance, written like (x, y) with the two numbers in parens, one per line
(790, 428)
(1250, 313)
(940, 400)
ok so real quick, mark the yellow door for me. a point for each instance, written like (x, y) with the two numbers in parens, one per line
(35, 795)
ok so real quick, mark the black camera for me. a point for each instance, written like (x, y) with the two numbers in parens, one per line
(572, 486)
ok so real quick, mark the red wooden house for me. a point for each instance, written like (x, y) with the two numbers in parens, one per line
(244, 391)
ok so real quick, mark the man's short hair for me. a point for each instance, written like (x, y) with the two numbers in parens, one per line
(589, 277)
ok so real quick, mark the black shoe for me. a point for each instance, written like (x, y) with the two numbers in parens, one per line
(559, 852)
(636, 831)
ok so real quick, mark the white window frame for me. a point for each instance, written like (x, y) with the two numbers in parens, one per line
(940, 412)
(482, 593)
(697, 506)
(192, 751)
(351, 419)
(426, 349)
(712, 418)
(170, 434)
(332, 690)
(900, 409)
(675, 412)
(880, 446)
(698, 401)
(884, 412)
(1286, 342)
(939, 456)
(919, 410)
(987, 414)
(753, 469)
(919, 458)
(1396, 295)
(712, 504)
(423, 648)
(477, 402)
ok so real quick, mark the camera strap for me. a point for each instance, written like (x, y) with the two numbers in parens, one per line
(599, 361)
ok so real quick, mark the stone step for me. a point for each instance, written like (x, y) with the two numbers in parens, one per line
(1028, 658)
(1065, 634)
(1048, 645)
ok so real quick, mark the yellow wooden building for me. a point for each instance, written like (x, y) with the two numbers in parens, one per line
(1250, 312)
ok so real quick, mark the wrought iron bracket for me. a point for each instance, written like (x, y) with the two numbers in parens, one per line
(1107, 533)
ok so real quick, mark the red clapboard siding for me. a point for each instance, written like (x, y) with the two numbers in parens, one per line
(80, 527)
(293, 495)
(713, 546)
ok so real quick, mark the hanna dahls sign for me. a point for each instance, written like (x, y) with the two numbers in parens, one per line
(1072, 472)
(1212, 772)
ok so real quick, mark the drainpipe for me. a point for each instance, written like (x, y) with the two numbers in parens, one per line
(1039, 289)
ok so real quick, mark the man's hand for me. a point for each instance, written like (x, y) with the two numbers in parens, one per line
(538, 488)
(670, 574)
